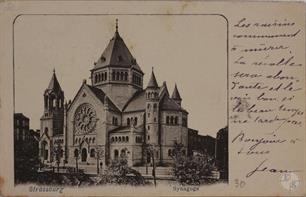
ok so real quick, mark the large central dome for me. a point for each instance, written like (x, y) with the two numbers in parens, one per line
(117, 54)
(116, 72)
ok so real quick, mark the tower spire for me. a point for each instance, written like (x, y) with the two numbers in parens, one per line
(116, 25)
(176, 95)
(152, 83)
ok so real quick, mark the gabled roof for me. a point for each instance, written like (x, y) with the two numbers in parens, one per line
(169, 104)
(98, 92)
(163, 90)
(136, 103)
(54, 84)
(121, 129)
(117, 54)
(176, 95)
(127, 129)
(101, 96)
(152, 83)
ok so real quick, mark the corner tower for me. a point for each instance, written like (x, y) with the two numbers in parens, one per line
(176, 96)
(152, 115)
(117, 72)
(52, 121)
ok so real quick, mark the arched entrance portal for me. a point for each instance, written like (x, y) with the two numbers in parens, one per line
(116, 154)
(84, 155)
(44, 150)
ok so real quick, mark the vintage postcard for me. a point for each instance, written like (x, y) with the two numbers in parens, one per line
(152, 98)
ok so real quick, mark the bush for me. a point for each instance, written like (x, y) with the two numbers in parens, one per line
(193, 170)
(73, 179)
(120, 173)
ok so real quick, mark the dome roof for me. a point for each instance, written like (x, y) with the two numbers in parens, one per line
(117, 54)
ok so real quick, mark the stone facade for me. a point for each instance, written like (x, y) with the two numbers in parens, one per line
(114, 116)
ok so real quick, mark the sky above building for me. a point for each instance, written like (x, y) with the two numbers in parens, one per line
(187, 50)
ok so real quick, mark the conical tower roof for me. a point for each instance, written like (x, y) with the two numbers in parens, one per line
(164, 89)
(54, 84)
(117, 54)
(152, 83)
(176, 95)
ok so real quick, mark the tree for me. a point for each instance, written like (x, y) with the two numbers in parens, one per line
(76, 156)
(150, 150)
(193, 170)
(118, 172)
(58, 154)
(99, 153)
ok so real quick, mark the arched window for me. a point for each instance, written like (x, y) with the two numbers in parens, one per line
(123, 139)
(176, 120)
(135, 121)
(105, 77)
(113, 139)
(169, 152)
(96, 78)
(123, 152)
(46, 101)
(117, 76)
(119, 138)
(54, 102)
(113, 76)
(127, 138)
(149, 105)
(116, 139)
(93, 140)
(167, 120)
(121, 76)
(116, 153)
(128, 121)
(102, 76)
(76, 153)
(115, 121)
(92, 152)
(125, 76)
(171, 120)
(90, 140)
(154, 107)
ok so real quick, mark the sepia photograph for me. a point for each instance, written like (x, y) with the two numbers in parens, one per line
(152, 98)
(120, 100)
